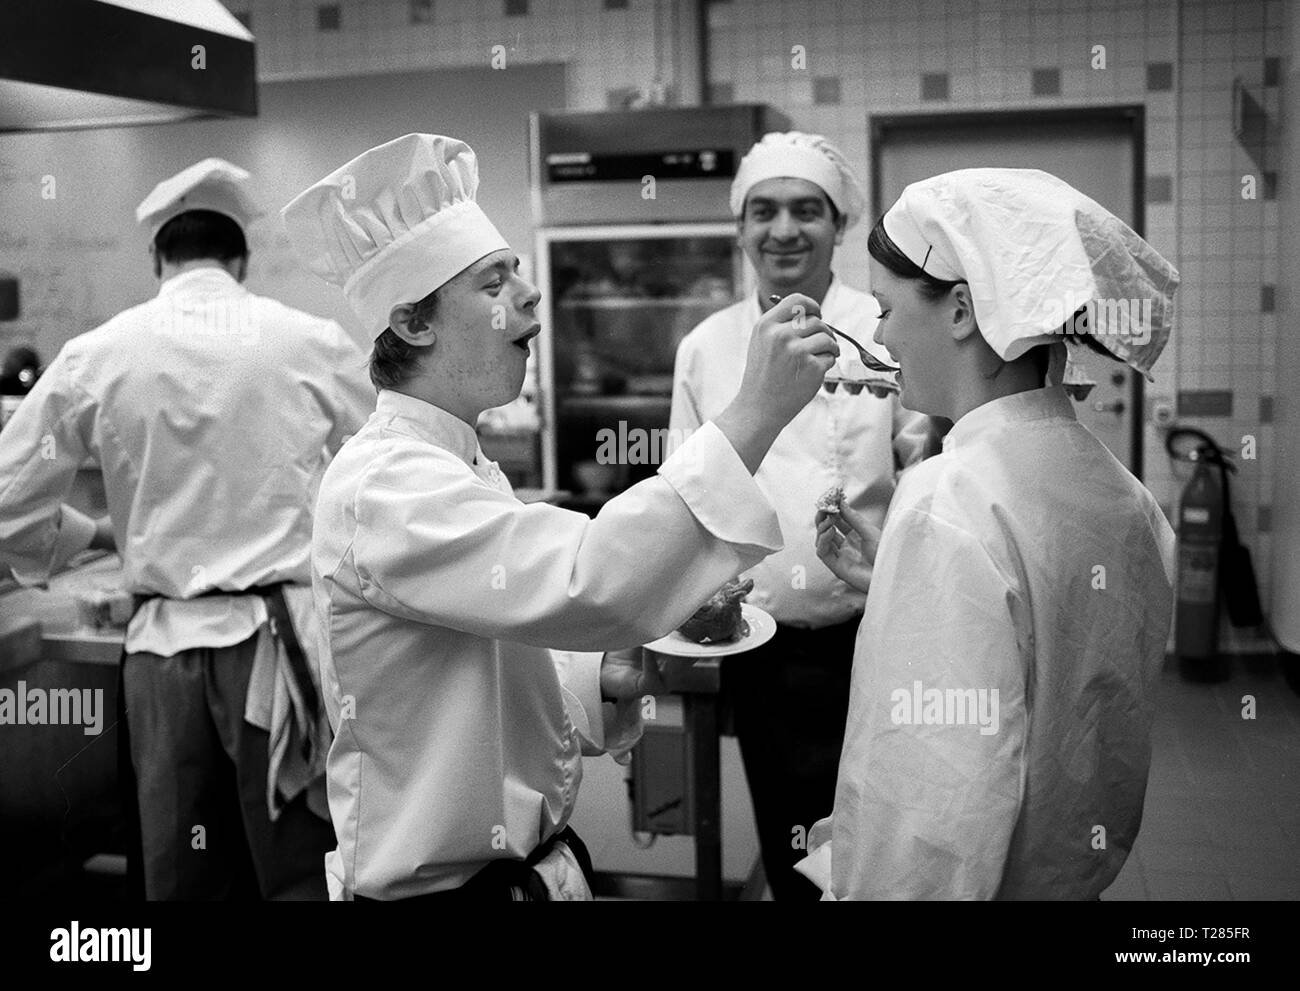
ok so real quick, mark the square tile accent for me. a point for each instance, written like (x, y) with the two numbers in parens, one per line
(1269, 192)
(516, 8)
(420, 11)
(1160, 77)
(1265, 409)
(826, 89)
(1272, 70)
(1205, 402)
(934, 86)
(327, 17)
(722, 92)
(1267, 299)
(1160, 189)
(1045, 82)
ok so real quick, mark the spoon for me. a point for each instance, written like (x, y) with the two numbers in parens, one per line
(867, 358)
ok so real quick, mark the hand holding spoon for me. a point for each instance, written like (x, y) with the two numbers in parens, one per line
(867, 358)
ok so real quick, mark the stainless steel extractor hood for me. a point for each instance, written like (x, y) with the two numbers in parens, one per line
(68, 64)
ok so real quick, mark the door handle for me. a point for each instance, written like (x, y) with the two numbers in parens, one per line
(1115, 406)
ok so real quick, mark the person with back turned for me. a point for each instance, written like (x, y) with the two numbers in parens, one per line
(211, 413)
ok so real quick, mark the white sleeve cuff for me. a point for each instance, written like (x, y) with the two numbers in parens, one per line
(603, 727)
(623, 727)
(76, 531)
(708, 474)
(579, 673)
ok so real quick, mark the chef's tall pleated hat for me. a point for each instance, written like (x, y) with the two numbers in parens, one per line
(796, 155)
(212, 184)
(1034, 251)
(393, 224)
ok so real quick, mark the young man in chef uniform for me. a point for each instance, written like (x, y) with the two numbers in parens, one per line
(459, 730)
(210, 412)
(794, 196)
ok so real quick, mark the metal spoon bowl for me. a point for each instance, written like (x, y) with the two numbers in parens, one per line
(871, 361)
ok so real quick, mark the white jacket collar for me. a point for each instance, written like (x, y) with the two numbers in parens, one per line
(207, 281)
(430, 423)
(1036, 404)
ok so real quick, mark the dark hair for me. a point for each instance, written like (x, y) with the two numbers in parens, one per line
(1085, 337)
(197, 234)
(392, 361)
(882, 248)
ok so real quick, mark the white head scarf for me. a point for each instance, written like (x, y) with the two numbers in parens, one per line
(212, 184)
(393, 224)
(1035, 250)
(795, 155)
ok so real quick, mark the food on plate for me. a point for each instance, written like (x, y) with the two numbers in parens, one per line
(718, 619)
(830, 499)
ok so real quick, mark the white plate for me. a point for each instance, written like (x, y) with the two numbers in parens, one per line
(761, 628)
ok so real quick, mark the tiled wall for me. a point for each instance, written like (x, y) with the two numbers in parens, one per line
(1179, 59)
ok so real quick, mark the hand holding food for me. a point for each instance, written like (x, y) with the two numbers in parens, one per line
(830, 500)
(846, 540)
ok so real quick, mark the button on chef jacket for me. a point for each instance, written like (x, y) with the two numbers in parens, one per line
(211, 412)
(866, 439)
(1024, 559)
(459, 733)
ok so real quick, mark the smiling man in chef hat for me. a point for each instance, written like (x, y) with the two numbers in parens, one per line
(1004, 681)
(794, 196)
(459, 732)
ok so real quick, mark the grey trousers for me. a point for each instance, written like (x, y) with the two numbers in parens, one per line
(201, 784)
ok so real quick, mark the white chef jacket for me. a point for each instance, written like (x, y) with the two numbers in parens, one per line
(211, 413)
(458, 733)
(988, 577)
(856, 440)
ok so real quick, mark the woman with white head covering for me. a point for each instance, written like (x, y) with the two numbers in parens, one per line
(1003, 687)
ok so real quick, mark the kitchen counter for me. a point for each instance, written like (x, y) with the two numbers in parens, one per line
(58, 778)
(63, 637)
